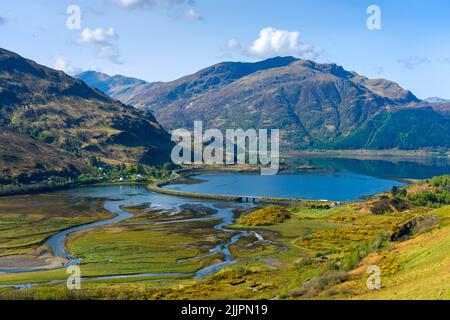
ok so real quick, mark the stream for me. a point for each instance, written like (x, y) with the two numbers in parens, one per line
(117, 197)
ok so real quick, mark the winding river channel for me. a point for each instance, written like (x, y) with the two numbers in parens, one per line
(117, 197)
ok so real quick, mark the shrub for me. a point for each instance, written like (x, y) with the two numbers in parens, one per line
(47, 136)
(386, 205)
(380, 207)
(398, 192)
(265, 216)
(317, 284)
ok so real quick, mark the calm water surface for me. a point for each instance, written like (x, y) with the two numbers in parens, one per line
(334, 179)
(316, 186)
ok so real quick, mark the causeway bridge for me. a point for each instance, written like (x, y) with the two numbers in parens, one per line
(251, 199)
(177, 175)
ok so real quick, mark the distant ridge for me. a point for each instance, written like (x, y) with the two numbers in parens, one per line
(437, 100)
(117, 87)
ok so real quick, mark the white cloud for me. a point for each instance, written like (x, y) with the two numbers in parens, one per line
(273, 42)
(192, 14)
(64, 64)
(103, 39)
(379, 70)
(189, 13)
(234, 45)
(111, 53)
(98, 36)
(150, 3)
(413, 62)
(231, 50)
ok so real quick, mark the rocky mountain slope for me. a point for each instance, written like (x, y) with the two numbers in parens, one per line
(23, 159)
(63, 112)
(314, 105)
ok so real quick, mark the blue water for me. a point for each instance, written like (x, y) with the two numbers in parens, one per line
(342, 186)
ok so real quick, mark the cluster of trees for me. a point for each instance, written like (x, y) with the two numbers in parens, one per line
(49, 135)
(435, 195)
(442, 182)
(438, 196)
(430, 199)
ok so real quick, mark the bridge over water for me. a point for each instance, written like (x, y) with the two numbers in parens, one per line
(251, 199)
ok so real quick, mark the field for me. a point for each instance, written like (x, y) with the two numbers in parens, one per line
(27, 221)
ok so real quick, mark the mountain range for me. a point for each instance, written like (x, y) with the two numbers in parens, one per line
(51, 123)
(49, 120)
(314, 105)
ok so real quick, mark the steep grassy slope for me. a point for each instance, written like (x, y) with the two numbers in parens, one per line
(415, 269)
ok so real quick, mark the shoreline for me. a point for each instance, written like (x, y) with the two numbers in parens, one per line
(186, 174)
(182, 174)
(391, 155)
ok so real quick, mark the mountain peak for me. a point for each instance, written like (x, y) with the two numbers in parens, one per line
(93, 73)
(279, 61)
(92, 76)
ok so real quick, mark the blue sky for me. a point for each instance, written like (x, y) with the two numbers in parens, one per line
(161, 40)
